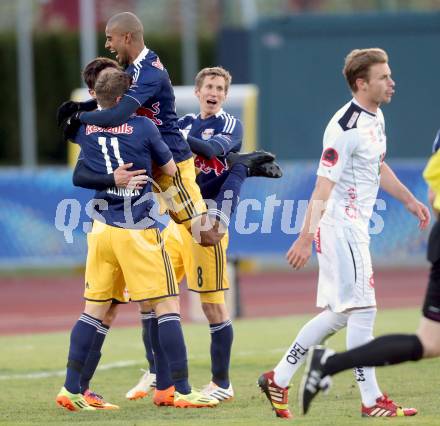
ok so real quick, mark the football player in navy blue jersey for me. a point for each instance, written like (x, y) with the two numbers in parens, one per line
(125, 249)
(151, 94)
(122, 177)
(212, 134)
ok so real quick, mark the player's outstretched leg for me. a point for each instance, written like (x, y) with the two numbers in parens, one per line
(248, 159)
(277, 396)
(313, 380)
(270, 169)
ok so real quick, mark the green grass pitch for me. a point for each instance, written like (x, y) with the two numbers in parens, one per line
(31, 373)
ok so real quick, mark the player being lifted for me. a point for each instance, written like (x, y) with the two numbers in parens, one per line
(125, 247)
(351, 169)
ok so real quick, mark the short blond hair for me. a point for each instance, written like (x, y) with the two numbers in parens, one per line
(358, 63)
(111, 84)
(213, 72)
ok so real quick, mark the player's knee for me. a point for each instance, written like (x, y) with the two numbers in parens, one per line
(215, 312)
(110, 315)
(168, 305)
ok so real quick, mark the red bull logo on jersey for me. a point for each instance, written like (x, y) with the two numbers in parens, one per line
(122, 129)
(206, 166)
(151, 113)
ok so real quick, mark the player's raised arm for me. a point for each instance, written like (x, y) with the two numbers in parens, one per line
(145, 87)
(390, 183)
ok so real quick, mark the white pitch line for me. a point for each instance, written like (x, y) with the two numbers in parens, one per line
(113, 365)
(46, 374)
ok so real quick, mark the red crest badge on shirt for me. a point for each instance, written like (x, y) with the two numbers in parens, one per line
(329, 157)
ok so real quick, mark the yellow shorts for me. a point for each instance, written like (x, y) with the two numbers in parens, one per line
(132, 258)
(204, 267)
(181, 194)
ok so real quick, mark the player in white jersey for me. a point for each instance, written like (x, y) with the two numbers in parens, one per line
(353, 154)
(351, 169)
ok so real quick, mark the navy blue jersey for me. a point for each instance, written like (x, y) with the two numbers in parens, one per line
(104, 149)
(221, 129)
(152, 89)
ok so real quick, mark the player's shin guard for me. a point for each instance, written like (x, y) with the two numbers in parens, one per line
(360, 331)
(222, 336)
(384, 350)
(146, 318)
(81, 339)
(173, 344)
(93, 359)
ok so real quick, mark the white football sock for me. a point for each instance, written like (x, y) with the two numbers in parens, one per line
(312, 333)
(360, 331)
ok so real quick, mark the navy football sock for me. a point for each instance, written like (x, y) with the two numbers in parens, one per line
(163, 373)
(81, 340)
(146, 318)
(229, 194)
(384, 350)
(173, 344)
(94, 356)
(221, 342)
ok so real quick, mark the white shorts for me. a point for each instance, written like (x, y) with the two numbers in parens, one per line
(345, 270)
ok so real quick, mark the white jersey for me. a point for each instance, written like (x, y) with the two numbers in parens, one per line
(354, 149)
